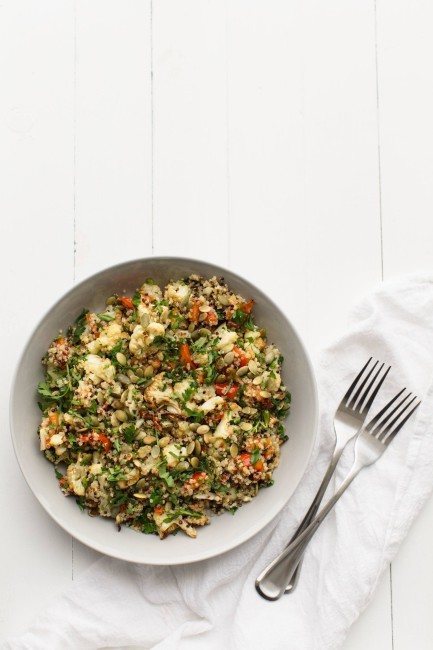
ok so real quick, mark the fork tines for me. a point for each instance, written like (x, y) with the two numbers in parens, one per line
(388, 422)
(365, 386)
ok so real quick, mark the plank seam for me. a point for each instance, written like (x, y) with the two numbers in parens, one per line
(378, 137)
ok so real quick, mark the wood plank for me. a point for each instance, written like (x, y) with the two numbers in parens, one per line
(303, 156)
(36, 235)
(304, 191)
(113, 144)
(190, 129)
(113, 133)
(405, 51)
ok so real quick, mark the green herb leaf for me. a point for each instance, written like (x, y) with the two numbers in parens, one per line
(80, 326)
(129, 434)
(106, 317)
(80, 503)
(255, 456)
(163, 473)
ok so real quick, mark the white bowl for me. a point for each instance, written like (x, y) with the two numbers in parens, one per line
(225, 531)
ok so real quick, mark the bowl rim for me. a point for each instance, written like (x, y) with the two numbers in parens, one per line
(252, 530)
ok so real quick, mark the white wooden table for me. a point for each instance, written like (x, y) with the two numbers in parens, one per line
(290, 140)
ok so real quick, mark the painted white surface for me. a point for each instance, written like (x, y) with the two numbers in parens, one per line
(245, 132)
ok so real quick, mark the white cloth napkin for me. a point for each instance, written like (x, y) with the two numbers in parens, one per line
(213, 604)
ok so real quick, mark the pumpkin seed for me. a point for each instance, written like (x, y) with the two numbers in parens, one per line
(114, 421)
(269, 357)
(144, 319)
(164, 441)
(149, 440)
(148, 371)
(124, 379)
(139, 372)
(194, 426)
(183, 465)
(160, 356)
(203, 331)
(257, 380)
(142, 483)
(121, 415)
(204, 308)
(155, 451)
(229, 358)
(202, 317)
(197, 447)
(253, 367)
(203, 428)
(208, 437)
(191, 327)
(111, 300)
(234, 450)
(246, 426)
(219, 443)
(117, 404)
(242, 371)
(220, 379)
(138, 495)
(265, 393)
(132, 376)
(121, 358)
(194, 461)
(183, 426)
(219, 364)
(190, 448)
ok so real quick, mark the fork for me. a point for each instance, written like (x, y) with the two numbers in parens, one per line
(370, 444)
(348, 419)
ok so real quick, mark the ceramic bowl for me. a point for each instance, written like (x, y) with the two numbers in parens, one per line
(226, 531)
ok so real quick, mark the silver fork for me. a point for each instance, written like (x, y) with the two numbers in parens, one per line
(370, 444)
(348, 419)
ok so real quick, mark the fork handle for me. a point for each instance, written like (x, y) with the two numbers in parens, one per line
(273, 580)
(312, 511)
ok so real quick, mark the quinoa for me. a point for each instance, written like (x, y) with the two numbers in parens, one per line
(165, 407)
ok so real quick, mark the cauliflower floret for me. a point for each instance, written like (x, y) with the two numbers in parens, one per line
(153, 392)
(224, 429)
(210, 404)
(159, 516)
(94, 346)
(172, 453)
(44, 436)
(151, 290)
(274, 382)
(144, 314)
(177, 292)
(74, 474)
(226, 338)
(99, 369)
(154, 329)
(110, 335)
(136, 343)
(57, 439)
(180, 387)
